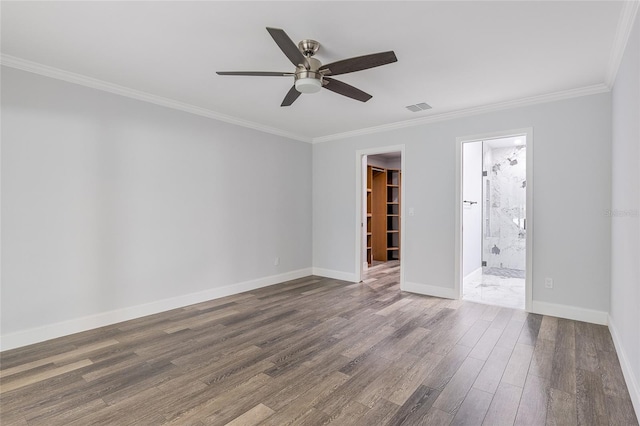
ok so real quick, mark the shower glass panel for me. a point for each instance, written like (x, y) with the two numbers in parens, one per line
(504, 198)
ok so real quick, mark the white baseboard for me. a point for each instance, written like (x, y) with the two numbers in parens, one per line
(570, 312)
(475, 271)
(336, 275)
(429, 290)
(76, 325)
(627, 369)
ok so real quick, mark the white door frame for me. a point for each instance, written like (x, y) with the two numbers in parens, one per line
(528, 133)
(359, 196)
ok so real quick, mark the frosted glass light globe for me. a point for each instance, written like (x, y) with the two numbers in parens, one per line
(308, 85)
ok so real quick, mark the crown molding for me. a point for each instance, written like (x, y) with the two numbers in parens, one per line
(47, 71)
(549, 97)
(625, 25)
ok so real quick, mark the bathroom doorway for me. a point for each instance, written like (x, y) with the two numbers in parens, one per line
(494, 221)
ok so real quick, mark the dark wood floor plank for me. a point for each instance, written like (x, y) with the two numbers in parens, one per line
(490, 313)
(620, 411)
(380, 414)
(548, 328)
(586, 353)
(533, 403)
(291, 409)
(230, 404)
(530, 330)
(590, 399)
(366, 342)
(63, 417)
(352, 410)
(322, 351)
(504, 406)
(11, 383)
(493, 369)
(382, 386)
(485, 345)
(473, 408)
(413, 377)
(81, 352)
(252, 417)
(305, 383)
(612, 379)
(12, 418)
(515, 373)
(435, 417)
(510, 334)
(602, 338)
(416, 407)
(542, 359)
(561, 410)
(444, 371)
(502, 319)
(471, 337)
(456, 390)
(563, 370)
(346, 393)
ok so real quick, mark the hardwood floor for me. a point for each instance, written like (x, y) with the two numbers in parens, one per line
(315, 351)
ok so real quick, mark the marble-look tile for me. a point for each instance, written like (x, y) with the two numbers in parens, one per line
(494, 289)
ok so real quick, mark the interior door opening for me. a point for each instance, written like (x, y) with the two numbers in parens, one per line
(381, 213)
(494, 225)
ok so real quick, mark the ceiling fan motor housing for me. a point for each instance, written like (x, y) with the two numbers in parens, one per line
(309, 80)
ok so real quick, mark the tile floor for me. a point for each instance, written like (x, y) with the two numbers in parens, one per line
(495, 287)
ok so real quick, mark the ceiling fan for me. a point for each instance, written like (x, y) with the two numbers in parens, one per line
(310, 75)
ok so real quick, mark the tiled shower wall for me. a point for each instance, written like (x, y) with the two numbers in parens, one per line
(504, 197)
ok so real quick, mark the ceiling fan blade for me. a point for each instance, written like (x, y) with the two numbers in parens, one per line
(291, 96)
(256, 73)
(359, 63)
(346, 90)
(288, 47)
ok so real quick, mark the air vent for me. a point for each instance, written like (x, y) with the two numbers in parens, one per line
(418, 107)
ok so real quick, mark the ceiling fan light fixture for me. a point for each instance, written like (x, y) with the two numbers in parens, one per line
(308, 85)
(310, 75)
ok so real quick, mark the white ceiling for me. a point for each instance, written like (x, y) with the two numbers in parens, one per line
(452, 55)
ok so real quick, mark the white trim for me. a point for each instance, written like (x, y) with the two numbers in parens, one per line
(550, 97)
(528, 132)
(336, 275)
(570, 312)
(429, 290)
(359, 186)
(472, 272)
(627, 370)
(623, 32)
(47, 71)
(76, 325)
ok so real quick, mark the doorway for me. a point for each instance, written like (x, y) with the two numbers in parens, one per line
(379, 212)
(494, 197)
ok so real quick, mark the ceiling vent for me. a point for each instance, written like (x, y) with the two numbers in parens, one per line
(418, 107)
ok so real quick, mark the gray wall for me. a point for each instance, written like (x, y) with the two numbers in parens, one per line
(109, 202)
(572, 189)
(625, 217)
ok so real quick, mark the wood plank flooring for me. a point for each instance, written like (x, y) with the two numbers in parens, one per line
(317, 351)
